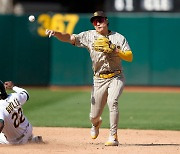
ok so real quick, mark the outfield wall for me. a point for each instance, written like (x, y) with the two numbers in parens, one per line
(28, 57)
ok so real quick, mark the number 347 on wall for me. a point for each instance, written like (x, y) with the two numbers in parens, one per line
(58, 22)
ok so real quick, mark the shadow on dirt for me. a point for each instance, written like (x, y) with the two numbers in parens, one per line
(149, 144)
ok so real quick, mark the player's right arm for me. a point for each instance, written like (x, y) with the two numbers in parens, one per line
(64, 37)
(21, 94)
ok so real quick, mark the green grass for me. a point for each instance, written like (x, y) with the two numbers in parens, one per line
(150, 111)
(71, 109)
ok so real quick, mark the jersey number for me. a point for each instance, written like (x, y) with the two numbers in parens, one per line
(18, 118)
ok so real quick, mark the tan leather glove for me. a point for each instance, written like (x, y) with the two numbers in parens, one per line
(103, 44)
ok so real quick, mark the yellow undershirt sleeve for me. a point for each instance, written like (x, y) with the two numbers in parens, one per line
(127, 55)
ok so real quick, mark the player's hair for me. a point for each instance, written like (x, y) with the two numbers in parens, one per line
(3, 94)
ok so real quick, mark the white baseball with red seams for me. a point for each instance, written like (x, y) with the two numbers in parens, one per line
(31, 18)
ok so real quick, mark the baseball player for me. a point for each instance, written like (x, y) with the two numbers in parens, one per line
(107, 49)
(14, 126)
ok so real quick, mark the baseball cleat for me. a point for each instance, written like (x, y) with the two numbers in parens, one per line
(112, 141)
(95, 129)
(37, 139)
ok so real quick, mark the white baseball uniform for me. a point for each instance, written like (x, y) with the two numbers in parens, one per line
(109, 89)
(17, 129)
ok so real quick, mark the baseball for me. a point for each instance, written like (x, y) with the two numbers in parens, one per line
(31, 18)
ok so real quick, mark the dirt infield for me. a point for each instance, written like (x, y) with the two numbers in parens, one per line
(77, 140)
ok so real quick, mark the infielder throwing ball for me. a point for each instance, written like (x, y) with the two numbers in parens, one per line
(14, 126)
(107, 49)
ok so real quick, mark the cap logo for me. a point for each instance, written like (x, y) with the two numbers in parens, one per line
(95, 14)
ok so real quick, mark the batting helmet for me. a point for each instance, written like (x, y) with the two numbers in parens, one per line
(3, 94)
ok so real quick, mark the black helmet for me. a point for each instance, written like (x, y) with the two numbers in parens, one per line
(3, 94)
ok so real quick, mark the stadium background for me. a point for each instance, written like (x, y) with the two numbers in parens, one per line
(31, 58)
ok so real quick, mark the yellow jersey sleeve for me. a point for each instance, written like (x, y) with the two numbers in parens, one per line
(126, 55)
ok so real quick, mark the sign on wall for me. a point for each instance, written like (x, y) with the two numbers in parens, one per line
(143, 5)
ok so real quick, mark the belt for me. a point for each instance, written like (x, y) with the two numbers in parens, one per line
(109, 74)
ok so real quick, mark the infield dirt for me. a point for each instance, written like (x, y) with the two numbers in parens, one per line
(77, 141)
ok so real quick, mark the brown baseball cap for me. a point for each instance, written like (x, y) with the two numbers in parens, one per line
(98, 14)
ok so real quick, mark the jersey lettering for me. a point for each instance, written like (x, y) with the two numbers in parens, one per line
(12, 105)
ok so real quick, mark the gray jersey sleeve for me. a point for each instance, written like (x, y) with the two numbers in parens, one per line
(120, 41)
(81, 39)
(125, 46)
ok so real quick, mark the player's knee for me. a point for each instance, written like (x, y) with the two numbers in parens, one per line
(94, 118)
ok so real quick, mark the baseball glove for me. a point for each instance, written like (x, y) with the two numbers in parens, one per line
(103, 44)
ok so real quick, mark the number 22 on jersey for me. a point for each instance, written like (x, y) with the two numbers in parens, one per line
(18, 117)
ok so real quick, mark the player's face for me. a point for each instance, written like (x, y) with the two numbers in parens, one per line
(100, 24)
